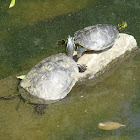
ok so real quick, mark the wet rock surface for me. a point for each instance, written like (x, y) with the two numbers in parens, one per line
(99, 62)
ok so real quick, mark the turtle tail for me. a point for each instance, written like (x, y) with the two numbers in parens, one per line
(122, 25)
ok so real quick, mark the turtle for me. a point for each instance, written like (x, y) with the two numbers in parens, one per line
(51, 79)
(96, 38)
(48, 81)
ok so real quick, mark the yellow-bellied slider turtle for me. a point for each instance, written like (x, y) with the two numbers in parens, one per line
(50, 80)
(97, 38)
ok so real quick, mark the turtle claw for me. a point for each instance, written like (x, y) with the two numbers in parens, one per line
(40, 109)
(61, 42)
(82, 68)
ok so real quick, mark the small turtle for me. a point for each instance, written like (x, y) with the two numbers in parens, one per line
(50, 80)
(96, 38)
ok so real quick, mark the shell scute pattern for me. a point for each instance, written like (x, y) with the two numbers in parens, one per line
(50, 79)
(98, 37)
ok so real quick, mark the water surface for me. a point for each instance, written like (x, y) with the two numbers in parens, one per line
(28, 33)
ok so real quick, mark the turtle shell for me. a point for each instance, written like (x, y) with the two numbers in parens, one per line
(98, 37)
(50, 80)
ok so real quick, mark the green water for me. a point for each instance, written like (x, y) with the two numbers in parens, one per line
(28, 34)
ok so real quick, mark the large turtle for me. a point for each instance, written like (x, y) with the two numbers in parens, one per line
(97, 37)
(51, 79)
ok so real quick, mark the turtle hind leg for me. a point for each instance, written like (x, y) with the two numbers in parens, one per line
(9, 97)
(40, 109)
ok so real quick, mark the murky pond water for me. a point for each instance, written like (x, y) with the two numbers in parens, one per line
(28, 33)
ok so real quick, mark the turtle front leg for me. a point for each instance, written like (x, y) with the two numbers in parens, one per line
(82, 68)
(80, 51)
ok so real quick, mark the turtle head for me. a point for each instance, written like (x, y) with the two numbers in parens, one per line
(122, 25)
(70, 46)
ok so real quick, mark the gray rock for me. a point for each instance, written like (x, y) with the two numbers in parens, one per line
(99, 62)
